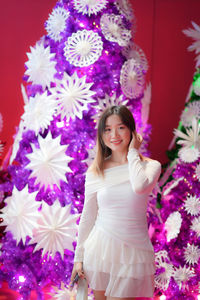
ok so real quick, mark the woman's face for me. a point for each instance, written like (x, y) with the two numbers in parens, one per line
(116, 135)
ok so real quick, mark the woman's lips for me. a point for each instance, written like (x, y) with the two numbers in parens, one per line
(116, 142)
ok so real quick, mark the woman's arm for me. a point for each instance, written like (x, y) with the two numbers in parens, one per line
(143, 175)
(87, 221)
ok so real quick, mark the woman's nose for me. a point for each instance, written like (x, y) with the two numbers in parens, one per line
(114, 133)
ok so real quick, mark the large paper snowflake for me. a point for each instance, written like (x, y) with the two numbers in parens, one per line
(134, 51)
(114, 30)
(195, 35)
(39, 112)
(56, 229)
(196, 226)
(20, 214)
(132, 79)
(191, 138)
(125, 8)
(49, 163)
(107, 102)
(182, 275)
(63, 293)
(83, 48)
(162, 261)
(192, 254)
(197, 172)
(73, 95)
(189, 155)
(1, 122)
(56, 23)
(191, 111)
(89, 7)
(41, 65)
(173, 225)
(192, 205)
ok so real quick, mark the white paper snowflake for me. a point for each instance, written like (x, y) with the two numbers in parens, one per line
(39, 111)
(189, 155)
(89, 7)
(182, 275)
(132, 79)
(125, 8)
(49, 163)
(162, 261)
(192, 205)
(173, 225)
(134, 51)
(195, 35)
(73, 95)
(191, 111)
(1, 122)
(197, 172)
(56, 23)
(41, 66)
(20, 214)
(192, 254)
(83, 48)
(196, 87)
(63, 293)
(56, 229)
(108, 101)
(191, 138)
(196, 226)
(114, 30)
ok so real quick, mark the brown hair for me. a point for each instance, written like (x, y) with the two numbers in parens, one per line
(102, 150)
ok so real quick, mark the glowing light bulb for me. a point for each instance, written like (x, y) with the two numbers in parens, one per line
(22, 278)
(163, 297)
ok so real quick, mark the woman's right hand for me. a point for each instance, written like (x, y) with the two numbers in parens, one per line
(78, 268)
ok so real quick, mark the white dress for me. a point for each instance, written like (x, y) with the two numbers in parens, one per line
(113, 241)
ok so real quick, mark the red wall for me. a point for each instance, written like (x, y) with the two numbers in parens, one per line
(159, 34)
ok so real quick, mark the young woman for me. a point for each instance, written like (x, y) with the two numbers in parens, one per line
(114, 252)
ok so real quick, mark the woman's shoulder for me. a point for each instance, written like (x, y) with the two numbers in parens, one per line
(149, 160)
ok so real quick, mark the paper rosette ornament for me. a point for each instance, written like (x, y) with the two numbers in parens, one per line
(132, 79)
(20, 214)
(56, 23)
(125, 8)
(41, 65)
(163, 278)
(89, 7)
(132, 50)
(49, 162)
(56, 229)
(191, 111)
(73, 95)
(83, 48)
(114, 30)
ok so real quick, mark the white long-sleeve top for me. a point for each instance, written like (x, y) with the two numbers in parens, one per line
(117, 203)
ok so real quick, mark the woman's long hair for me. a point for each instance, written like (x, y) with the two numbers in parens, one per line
(102, 151)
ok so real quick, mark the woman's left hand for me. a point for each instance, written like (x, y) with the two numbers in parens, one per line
(136, 141)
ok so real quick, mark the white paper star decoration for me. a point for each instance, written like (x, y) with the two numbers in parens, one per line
(192, 254)
(173, 225)
(132, 79)
(189, 154)
(41, 66)
(56, 229)
(195, 35)
(182, 275)
(83, 48)
(56, 23)
(73, 95)
(114, 30)
(89, 7)
(49, 163)
(192, 205)
(191, 111)
(39, 111)
(191, 138)
(20, 214)
(162, 261)
(63, 293)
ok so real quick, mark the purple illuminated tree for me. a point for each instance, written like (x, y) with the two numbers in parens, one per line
(87, 61)
(177, 234)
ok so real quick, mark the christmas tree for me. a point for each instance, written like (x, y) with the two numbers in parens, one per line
(177, 233)
(86, 62)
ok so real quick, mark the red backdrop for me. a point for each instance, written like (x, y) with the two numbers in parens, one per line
(159, 34)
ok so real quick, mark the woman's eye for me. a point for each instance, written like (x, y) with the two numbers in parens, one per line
(121, 127)
(107, 129)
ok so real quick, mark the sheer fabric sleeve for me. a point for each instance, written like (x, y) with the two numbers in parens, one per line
(87, 221)
(143, 175)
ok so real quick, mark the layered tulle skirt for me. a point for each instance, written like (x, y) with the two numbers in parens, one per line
(116, 268)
